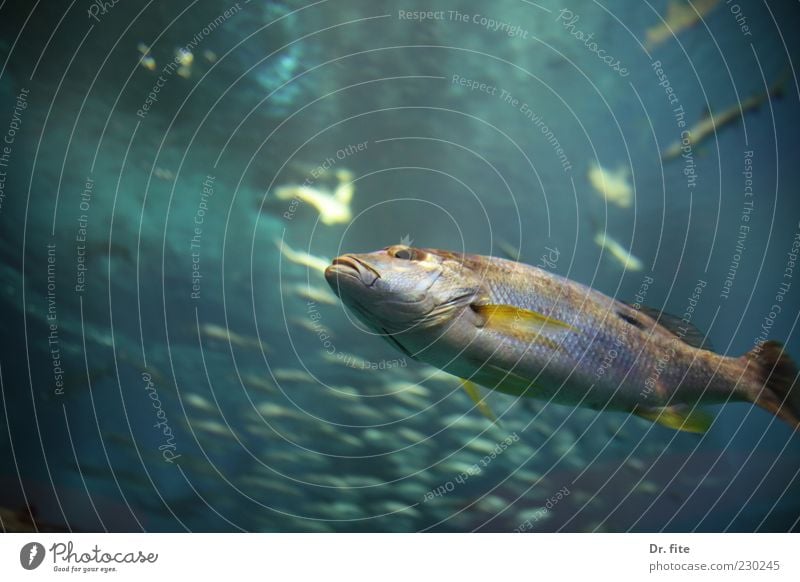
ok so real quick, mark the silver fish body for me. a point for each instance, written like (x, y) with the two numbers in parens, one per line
(525, 331)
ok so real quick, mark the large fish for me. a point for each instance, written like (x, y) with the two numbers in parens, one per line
(528, 332)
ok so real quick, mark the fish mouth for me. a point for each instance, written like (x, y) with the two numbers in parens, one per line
(351, 266)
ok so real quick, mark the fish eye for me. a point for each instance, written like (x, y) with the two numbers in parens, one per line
(405, 254)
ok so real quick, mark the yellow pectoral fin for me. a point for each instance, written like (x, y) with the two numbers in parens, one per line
(475, 395)
(678, 417)
(518, 321)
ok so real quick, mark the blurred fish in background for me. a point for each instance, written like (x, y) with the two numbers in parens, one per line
(175, 179)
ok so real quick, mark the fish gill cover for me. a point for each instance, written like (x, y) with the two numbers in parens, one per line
(175, 179)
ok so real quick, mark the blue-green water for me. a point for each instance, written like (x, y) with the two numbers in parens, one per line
(140, 221)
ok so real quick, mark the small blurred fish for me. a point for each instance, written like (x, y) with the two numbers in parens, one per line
(257, 382)
(215, 332)
(212, 427)
(333, 208)
(409, 388)
(680, 16)
(146, 60)
(163, 174)
(344, 392)
(272, 410)
(269, 484)
(199, 402)
(481, 445)
(310, 326)
(492, 504)
(411, 435)
(315, 294)
(184, 58)
(527, 332)
(366, 413)
(618, 252)
(292, 375)
(471, 423)
(302, 258)
(710, 124)
(391, 506)
(612, 185)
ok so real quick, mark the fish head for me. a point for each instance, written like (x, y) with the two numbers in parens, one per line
(401, 288)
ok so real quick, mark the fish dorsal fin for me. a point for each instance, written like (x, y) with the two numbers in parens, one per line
(686, 332)
(517, 321)
(679, 417)
(480, 403)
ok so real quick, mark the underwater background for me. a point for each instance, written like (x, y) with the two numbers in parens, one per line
(172, 359)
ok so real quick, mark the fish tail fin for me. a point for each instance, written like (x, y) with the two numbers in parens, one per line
(776, 389)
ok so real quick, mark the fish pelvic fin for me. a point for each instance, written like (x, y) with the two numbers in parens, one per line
(518, 322)
(480, 403)
(776, 390)
(678, 417)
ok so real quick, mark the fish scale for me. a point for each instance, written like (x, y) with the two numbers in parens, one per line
(599, 331)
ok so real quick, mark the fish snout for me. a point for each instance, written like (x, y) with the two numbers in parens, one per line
(353, 267)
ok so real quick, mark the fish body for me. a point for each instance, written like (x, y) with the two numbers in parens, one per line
(333, 208)
(525, 331)
(710, 124)
(301, 257)
(618, 252)
(612, 185)
(679, 17)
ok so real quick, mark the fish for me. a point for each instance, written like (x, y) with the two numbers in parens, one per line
(292, 375)
(164, 174)
(310, 326)
(184, 58)
(680, 16)
(712, 123)
(613, 185)
(315, 294)
(146, 60)
(530, 333)
(199, 402)
(258, 382)
(272, 410)
(213, 427)
(618, 252)
(302, 258)
(333, 208)
(214, 332)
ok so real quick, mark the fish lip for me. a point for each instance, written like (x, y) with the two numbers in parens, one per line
(352, 266)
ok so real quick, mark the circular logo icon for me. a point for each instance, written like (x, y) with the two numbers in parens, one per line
(31, 555)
